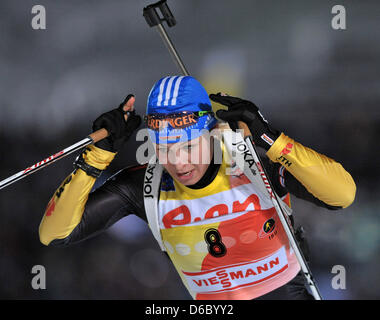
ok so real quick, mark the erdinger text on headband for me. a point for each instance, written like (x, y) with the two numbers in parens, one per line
(178, 120)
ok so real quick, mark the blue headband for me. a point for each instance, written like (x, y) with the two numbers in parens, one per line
(179, 94)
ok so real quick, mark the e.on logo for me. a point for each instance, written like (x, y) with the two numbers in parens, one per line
(182, 215)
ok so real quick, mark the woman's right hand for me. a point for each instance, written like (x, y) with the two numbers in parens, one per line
(120, 123)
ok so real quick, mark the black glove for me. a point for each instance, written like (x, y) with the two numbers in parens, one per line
(242, 110)
(119, 129)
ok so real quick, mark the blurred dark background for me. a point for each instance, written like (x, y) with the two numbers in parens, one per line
(318, 85)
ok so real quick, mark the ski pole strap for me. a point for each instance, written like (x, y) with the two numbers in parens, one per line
(90, 170)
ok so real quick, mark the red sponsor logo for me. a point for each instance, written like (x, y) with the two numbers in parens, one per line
(225, 278)
(169, 138)
(38, 164)
(182, 215)
(265, 180)
(50, 207)
(240, 275)
(267, 139)
(287, 149)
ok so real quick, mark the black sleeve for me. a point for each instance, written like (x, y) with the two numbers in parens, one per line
(119, 196)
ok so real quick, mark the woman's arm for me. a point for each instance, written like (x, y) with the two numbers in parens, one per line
(321, 176)
(75, 214)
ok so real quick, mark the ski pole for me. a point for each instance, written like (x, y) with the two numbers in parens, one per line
(90, 139)
(280, 212)
(153, 19)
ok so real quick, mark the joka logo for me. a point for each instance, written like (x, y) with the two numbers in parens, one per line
(268, 226)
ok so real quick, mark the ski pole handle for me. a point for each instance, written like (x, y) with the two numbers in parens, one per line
(99, 135)
(243, 126)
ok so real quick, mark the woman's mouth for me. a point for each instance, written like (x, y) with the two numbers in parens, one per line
(185, 175)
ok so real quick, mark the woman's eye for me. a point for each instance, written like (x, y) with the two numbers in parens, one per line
(188, 147)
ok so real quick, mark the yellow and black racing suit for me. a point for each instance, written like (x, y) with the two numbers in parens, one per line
(74, 213)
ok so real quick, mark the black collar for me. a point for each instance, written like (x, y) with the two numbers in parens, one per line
(208, 177)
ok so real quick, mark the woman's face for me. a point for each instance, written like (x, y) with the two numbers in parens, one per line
(187, 161)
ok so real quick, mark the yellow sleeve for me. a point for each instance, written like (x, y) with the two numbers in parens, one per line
(64, 210)
(323, 177)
